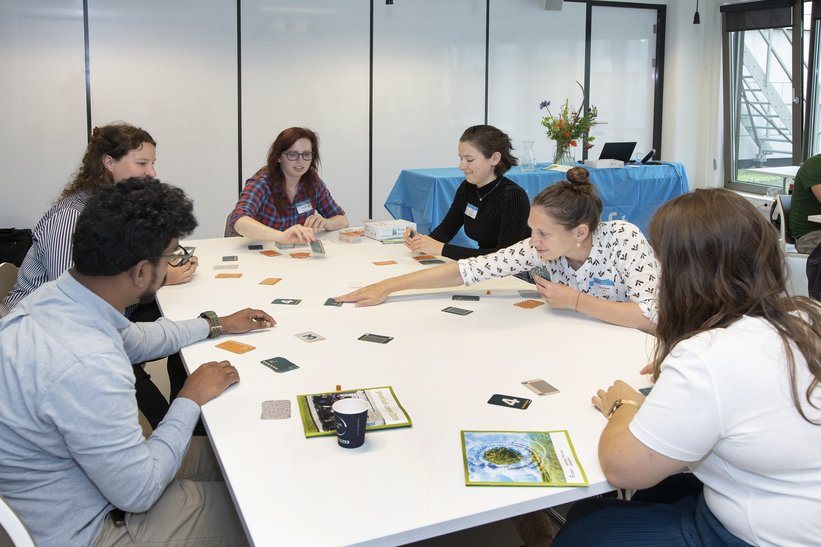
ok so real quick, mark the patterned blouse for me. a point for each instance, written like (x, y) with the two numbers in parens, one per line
(621, 266)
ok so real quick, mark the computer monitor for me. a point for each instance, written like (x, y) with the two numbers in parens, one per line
(617, 151)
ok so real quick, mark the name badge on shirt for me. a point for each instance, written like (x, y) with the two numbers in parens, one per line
(471, 210)
(304, 207)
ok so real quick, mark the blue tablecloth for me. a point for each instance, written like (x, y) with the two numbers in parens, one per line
(629, 193)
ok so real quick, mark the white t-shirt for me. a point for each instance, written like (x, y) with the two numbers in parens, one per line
(723, 401)
(621, 266)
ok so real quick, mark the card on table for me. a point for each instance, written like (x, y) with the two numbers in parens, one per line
(287, 301)
(229, 258)
(539, 387)
(317, 247)
(457, 311)
(270, 281)
(376, 338)
(510, 401)
(309, 336)
(276, 410)
(431, 261)
(284, 245)
(465, 297)
(300, 254)
(279, 364)
(529, 294)
(228, 276)
(423, 257)
(255, 247)
(226, 266)
(332, 302)
(235, 347)
(270, 252)
(529, 304)
(385, 262)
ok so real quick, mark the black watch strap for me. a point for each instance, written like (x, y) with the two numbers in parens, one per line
(214, 321)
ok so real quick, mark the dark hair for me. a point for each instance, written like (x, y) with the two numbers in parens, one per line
(124, 223)
(572, 202)
(488, 140)
(283, 142)
(115, 140)
(720, 260)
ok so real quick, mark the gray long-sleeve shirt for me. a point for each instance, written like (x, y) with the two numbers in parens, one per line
(71, 447)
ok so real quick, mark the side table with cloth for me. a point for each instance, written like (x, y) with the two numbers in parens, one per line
(631, 193)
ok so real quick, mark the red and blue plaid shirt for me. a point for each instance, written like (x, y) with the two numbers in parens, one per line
(256, 201)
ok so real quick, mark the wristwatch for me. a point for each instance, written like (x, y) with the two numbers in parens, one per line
(214, 321)
(618, 404)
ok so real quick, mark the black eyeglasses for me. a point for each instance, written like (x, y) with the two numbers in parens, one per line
(292, 155)
(179, 257)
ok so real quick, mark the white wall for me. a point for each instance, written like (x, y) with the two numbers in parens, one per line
(171, 67)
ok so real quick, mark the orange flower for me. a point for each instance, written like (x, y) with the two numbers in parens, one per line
(572, 143)
(566, 134)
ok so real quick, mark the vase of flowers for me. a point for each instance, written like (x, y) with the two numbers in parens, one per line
(568, 127)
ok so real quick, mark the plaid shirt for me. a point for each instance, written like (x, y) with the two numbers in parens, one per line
(256, 201)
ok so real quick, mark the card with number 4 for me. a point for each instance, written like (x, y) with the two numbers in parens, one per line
(510, 401)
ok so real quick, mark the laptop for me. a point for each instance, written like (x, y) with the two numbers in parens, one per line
(617, 151)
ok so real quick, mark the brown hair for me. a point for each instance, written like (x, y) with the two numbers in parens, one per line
(115, 140)
(282, 143)
(488, 140)
(721, 260)
(572, 202)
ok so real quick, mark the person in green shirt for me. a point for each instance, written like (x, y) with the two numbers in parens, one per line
(806, 201)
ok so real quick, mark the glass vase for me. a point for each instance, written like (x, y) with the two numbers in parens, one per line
(565, 154)
(528, 162)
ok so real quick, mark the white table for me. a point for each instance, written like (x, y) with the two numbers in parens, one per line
(814, 218)
(404, 484)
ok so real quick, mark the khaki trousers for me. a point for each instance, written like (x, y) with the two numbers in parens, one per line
(195, 509)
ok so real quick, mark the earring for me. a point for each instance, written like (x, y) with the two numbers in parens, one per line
(578, 244)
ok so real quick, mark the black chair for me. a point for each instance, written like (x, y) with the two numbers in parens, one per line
(814, 273)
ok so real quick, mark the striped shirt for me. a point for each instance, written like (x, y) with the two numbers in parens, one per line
(256, 202)
(50, 253)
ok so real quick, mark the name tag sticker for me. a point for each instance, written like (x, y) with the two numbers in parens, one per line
(471, 210)
(304, 207)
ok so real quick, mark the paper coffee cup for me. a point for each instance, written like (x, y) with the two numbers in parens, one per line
(351, 415)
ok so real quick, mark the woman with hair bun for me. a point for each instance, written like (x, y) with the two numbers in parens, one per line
(604, 270)
(492, 208)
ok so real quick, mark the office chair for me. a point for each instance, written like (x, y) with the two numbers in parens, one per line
(8, 277)
(14, 528)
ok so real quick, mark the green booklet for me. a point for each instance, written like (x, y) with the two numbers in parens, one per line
(384, 412)
(521, 458)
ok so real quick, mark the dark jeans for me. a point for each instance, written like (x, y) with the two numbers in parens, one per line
(150, 400)
(671, 514)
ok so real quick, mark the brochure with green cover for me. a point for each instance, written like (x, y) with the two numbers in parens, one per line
(521, 458)
(318, 417)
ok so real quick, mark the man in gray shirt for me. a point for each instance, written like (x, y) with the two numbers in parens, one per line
(72, 453)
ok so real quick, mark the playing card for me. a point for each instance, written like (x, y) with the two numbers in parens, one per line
(235, 347)
(284, 245)
(470, 297)
(256, 247)
(276, 410)
(270, 252)
(423, 257)
(287, 301)
(541, 271)
(279, 364)
(510, 401)
(270, 281)
(431, 261)
(226, 266)
(229, 258)
(457, 311)
(317, 247)
(332, 302)
(228, 276)
(385, 263)
(300, 254)
(309, 336)
(529, 304)
(529, 294)
(377, 338)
